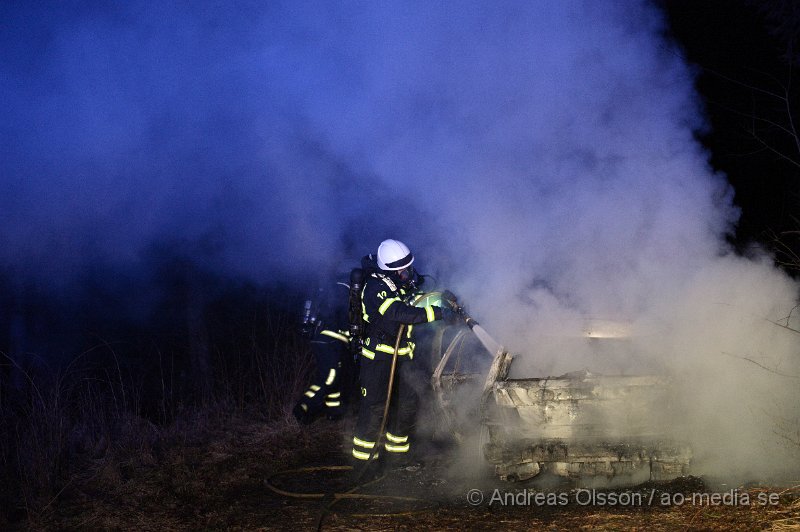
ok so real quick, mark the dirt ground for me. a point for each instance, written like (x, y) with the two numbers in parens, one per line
(220, 479)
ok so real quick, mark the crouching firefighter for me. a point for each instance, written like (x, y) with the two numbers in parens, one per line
(386, 309)
(324, 323)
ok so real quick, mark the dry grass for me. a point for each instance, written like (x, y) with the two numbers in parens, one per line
(208, 472)
(89, 429)
(197, 475)
(79, 450)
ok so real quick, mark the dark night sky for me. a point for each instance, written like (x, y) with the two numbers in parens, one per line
(742, 53)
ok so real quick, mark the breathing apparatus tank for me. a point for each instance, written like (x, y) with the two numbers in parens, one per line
(354, 313)
(309, 320)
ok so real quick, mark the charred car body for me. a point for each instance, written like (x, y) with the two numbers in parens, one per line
(579, 425)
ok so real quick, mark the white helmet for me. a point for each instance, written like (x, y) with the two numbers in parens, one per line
(394, 255)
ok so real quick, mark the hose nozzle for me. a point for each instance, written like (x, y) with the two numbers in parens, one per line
(451, 299)
(466, 317)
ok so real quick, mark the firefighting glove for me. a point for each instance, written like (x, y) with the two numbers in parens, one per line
(450, 316)
(450, 298)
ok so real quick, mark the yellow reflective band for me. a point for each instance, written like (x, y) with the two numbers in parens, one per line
(367, 353)
(361, 455)
(333, 403)
(304, 407)
(334, 395)
(383, 348)
(386, 304)
(331, 377)
(314, 387)
(361, 443)
(429, 313)
(309, 394)
(396, 439)
(397, 448)
(337, 335)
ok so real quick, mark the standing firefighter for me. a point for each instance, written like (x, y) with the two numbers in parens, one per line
(386, 309)
(324, 322)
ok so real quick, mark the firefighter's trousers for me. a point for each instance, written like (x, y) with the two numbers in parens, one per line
(374, 382)
(324, 394)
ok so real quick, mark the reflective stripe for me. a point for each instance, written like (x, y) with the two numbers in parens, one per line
(334, 395)
(388, 282)
(331, 377)
(397, 448)
(304, 407)
(338, 336)
(314, 387)
(333, 403)
(361, 455)
(386, 304)
(363, 306)
(396, 439)
(361, 443)
(429, 313)
(383, 348)
(309, 394)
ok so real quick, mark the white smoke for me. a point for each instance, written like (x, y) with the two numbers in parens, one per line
(538, 157)
(552, 147)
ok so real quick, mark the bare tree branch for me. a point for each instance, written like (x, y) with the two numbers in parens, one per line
(790, 117)
(773, 150)
(754, 117)
(762, 366)
(747, 85)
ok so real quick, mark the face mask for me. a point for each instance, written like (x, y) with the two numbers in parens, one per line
(406, 275)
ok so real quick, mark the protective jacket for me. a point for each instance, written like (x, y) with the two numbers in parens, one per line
(385, 307)
(329, 340)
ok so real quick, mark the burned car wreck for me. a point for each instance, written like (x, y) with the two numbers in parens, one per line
(579, 425)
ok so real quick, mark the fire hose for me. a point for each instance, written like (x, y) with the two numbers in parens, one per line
(331, 498)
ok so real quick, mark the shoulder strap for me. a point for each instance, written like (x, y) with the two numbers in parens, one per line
(386, 280)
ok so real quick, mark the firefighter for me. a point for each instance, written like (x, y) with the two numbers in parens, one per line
(324, 323)
(385, 304)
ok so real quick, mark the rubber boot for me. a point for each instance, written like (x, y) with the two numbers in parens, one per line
(402, 462)
(301, 414)
(366, 471)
